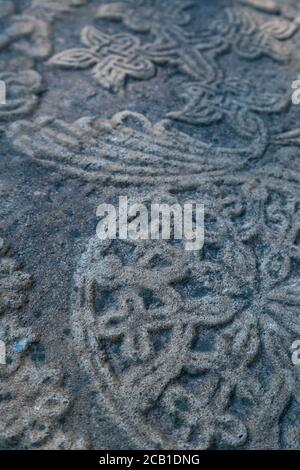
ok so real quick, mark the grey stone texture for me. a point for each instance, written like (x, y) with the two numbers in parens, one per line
(142, 344)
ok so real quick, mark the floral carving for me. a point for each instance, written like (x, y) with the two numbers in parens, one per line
(31, 397)
(235, 99)
(22, 90)
(195, 54)
(31, 402)
(251, 39)
(185, 351)
(196, 417)
(177, 343)
(14, 285)
(192, 54)
(113, 58)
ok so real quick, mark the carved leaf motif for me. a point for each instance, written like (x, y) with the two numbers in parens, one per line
(290, 293)
(270, 6)
(291, 137)
(56, 6)
(78, 58)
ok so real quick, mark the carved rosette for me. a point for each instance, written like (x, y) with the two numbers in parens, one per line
(178, 342)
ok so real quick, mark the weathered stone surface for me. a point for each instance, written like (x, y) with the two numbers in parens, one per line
(126, 344)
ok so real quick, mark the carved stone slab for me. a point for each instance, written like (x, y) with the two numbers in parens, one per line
(142, 344)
